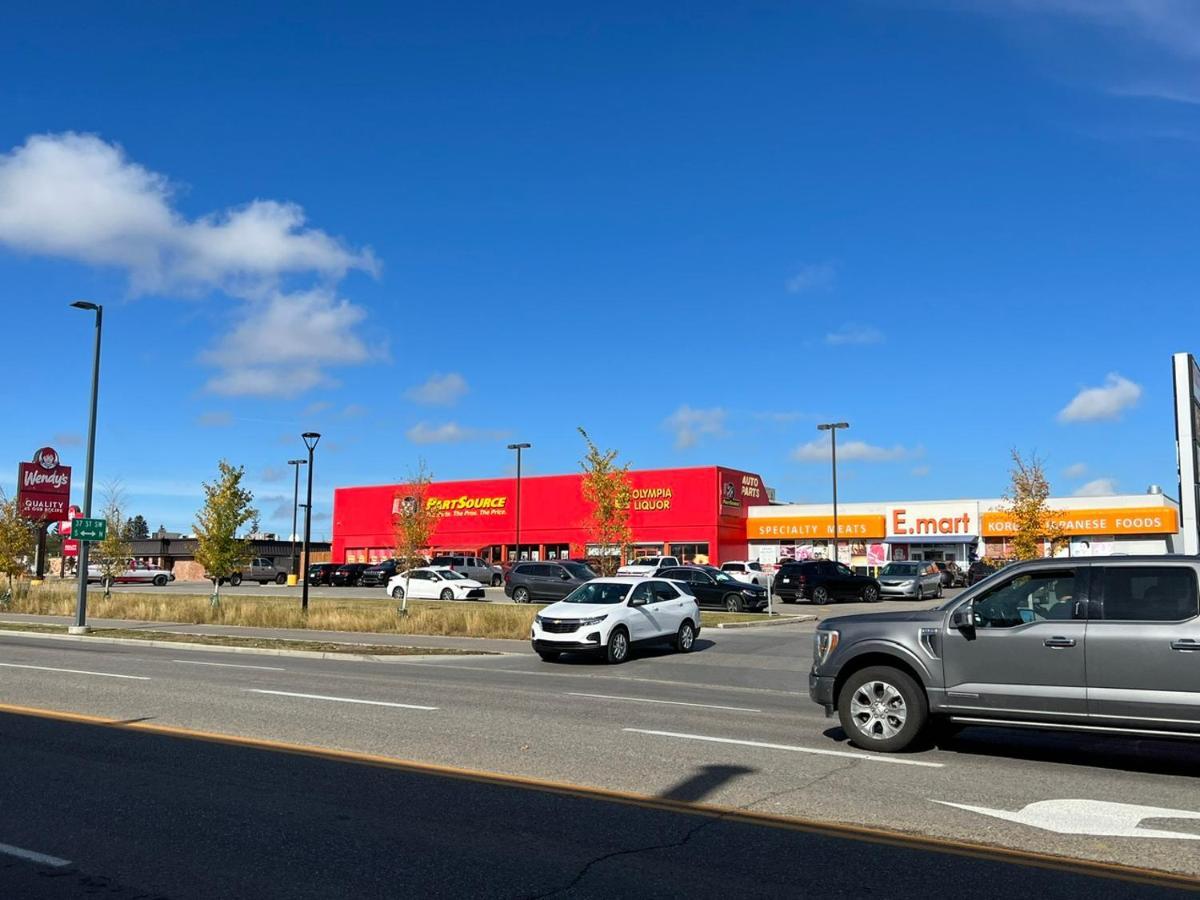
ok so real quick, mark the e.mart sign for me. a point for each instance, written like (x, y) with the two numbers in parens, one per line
(1128, 520)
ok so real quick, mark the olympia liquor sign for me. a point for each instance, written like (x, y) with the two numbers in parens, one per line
(44, 487)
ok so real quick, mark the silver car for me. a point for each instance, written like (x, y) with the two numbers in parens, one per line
(917, 580)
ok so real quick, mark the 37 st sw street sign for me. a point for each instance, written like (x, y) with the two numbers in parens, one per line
(89, 529)
(43, 487)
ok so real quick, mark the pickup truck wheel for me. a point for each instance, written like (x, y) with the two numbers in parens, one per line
(281, 578)
(235, 580)
(820, 595)
(160, 580)
(397, 593)
(882, 709)
(733, 603)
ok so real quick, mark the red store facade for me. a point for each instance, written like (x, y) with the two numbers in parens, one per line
(696, 513)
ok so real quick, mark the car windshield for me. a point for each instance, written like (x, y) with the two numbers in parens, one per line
(579, 570)
(598, 592)
(451, 575)
(901, 569)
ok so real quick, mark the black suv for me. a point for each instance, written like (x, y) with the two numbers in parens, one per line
(823, 580)
(378, 574)
(348, 575)
(544, 581)
(320, 573)
(716, 588)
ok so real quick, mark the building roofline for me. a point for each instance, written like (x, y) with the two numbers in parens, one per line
(389, 484)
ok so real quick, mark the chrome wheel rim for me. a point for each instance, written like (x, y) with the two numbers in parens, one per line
(869, 595)
(731, 605)
(619, 645)
(687, 637)
(878, 710)
(820, 595)
(521, 595)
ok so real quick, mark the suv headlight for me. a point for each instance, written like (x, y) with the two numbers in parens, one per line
(824, 643)
(538, 619)
(593, 621)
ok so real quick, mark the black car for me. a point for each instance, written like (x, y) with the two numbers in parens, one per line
(348, 575)
(547, 582)
(320, 573)
(715, 588)
(952, 575)
(822, 581)
(378, 574)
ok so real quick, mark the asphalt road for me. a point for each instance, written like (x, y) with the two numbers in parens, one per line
(728, 725)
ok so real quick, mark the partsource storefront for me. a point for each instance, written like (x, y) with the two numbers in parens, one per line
(871, 534)
(698, 514)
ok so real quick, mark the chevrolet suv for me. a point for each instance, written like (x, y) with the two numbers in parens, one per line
(1105, 645)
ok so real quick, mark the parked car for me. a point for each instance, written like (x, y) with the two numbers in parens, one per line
(749, 572)
(133, 572)
(528, 582)
(719, 589)
(822, 580)
(320, 573)
(607, 616)
(472, 566)
(952, 574)
(379, 573)
(259, 569)
(914, 579)
(1108, 645)
(648, 565)
(979, 570)
(432, 583)
(348, 574)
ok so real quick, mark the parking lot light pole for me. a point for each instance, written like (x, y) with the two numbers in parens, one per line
(519, 448)
(310, 441)
(832, 428)
(297, 463)
(80, 626)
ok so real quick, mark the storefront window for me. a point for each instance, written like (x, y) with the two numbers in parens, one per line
(558, 551)
(691, 554)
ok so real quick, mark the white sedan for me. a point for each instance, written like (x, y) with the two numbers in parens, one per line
(434, 584)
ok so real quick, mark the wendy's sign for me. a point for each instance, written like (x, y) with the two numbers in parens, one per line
(44, 487)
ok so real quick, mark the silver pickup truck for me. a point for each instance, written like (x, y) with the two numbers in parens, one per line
(259, 569)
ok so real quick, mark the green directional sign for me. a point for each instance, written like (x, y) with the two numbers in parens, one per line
(89, 529)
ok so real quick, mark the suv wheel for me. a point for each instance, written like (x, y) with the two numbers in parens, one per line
(160, 580)
(733, 603)
(883, 709)
(235, 579)
(617, 650)
(281, 578)
(870, 594)
(520, 595)
(686, 638)
(820, 595)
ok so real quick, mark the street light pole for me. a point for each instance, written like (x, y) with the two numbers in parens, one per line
(80, 626)
(310, 441)
(297, 463)
(519, 448)
(832, 428)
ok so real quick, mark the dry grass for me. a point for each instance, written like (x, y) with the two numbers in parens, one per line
(379, 616)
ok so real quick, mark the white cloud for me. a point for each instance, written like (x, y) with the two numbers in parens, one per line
(316, 407)
(1097, 487)
(215, 419)
(854, 334)
(1107, 402)
(439, 390)
(449, 433)
(689, 425)
(812, 277)
(1075, 470)
(818, 450)
(75, 196)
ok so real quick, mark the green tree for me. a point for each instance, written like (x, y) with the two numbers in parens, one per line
(226, 509)
(136, 529)
(607, 490)
(414, 522)
(112, 554)
(17, 540)
(1025, 503)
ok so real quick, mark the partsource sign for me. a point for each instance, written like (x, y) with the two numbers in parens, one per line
(44, 487)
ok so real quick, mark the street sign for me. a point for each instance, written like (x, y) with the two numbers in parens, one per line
(89, 529)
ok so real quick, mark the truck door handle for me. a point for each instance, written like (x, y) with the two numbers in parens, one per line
(1185, 644)
(1059, 642)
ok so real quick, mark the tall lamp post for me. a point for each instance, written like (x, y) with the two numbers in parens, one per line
(519, 448)
(310, 441)
(297, 463)
(832, 428)
(80, 626)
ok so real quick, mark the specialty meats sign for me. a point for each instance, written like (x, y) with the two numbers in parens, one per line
(44, 487)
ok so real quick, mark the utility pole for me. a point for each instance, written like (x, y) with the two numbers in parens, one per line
(832, 428)
(519, 448)
(310, 441)
(296, 463)
(80, 626)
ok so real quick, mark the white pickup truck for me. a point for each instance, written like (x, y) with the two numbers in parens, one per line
(648, 565)
(135, 572)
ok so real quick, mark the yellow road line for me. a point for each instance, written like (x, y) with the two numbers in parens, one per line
(864, 833)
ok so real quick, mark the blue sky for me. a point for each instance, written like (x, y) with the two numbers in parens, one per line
(695, 229)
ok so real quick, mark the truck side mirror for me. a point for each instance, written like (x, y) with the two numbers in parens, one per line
(963, 618)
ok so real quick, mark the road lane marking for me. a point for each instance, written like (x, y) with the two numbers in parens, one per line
(868, 834)
(668, 702)
(1096, 818)
(196, 662)
(847, 754)
(74, 671)
(34, 856)
(340, 699)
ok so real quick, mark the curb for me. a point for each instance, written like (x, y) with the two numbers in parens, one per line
(768, 623)
(262, 651)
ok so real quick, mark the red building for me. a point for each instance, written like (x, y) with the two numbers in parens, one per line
(698, 514)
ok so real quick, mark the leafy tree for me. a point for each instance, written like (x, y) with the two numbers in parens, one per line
(226, 509)
(16, 540)
(112, 554)
(136, 529)
(608, 491)
(1025, 503)
(414, 522)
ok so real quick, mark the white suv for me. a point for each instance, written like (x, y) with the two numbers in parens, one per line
(609, 615)
(749, 572)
